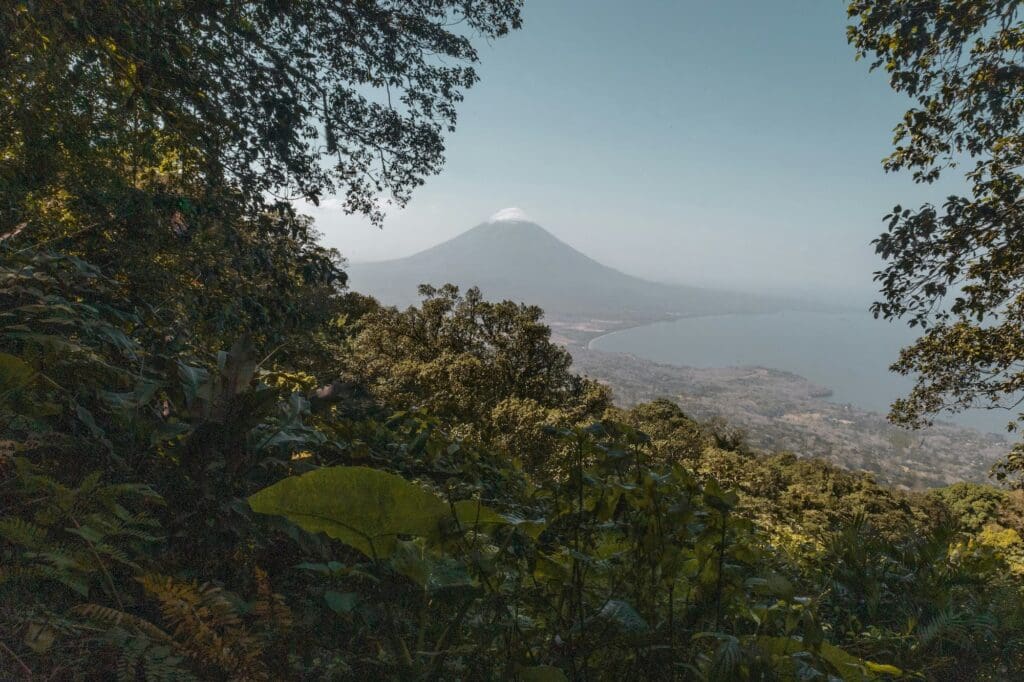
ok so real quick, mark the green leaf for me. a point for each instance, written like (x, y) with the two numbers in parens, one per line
(780, 646)
(853, 669)
(192, 378)
(87, 533)
(471, 513)
(433, 573)
(341, 602)
(624, 616)
(540, 673)
(549, 568)
(727, 658)
(165, 431)
(39, 637)
(779, 585)
(21, 532)
(531, 527)
(329, 568)
(883, 669)
(85, 416)
(15, 373)
(364, 508)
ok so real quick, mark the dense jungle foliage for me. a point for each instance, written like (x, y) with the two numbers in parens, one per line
(216, 463)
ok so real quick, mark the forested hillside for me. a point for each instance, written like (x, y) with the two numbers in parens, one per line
(219, 463)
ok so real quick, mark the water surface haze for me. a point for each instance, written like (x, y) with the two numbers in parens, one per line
(848, 353)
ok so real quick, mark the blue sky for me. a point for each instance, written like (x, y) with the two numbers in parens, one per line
(732, 143)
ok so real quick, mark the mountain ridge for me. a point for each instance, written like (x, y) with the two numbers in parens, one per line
(514, 258)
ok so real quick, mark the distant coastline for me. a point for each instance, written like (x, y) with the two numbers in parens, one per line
(783, 411)
(846, 353)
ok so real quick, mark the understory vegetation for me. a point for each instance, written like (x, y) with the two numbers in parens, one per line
(474, 511)
(218, 463)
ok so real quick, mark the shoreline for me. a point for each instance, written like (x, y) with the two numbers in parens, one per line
(825, 395)
(779, 412)
(675, 318)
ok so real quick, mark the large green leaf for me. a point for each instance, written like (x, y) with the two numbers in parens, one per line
(433, 572)
(853, 669)
(365, 508)
(849, 667)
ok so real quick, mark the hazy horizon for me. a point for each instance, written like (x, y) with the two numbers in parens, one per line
(846, 300)
(755, 166)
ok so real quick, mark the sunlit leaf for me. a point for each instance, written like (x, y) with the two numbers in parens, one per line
(365, 508)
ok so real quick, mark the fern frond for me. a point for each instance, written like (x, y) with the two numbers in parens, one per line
(28, 573)
(20, 532)
(116, 618)
(207, 625)
(142, 658)
(117, 554)
(269, 607)
(955, 627)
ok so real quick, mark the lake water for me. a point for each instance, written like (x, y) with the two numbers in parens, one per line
(848, 353)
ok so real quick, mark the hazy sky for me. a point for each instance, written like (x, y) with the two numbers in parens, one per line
(735, 143)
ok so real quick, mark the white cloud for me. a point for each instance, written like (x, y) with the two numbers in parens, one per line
(510, 215)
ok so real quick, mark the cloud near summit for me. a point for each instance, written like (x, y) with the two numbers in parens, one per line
(510, 215)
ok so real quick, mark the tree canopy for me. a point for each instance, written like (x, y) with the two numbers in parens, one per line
(954, 270)
(178, 132)
(295, 98)
(488, 370)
